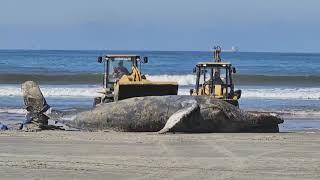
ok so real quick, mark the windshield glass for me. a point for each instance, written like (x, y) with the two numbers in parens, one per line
(118, 68)
(209, 74)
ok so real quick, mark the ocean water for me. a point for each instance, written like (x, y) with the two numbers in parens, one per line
(285, 83)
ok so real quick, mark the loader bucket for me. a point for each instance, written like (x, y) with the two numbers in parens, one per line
(139, 89)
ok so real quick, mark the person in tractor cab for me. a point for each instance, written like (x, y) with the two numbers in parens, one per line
(120, 70)
(216, 78)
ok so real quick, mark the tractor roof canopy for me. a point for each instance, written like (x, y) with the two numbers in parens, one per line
(214, 64)
(122, 57)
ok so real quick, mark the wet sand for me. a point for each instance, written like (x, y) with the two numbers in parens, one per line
(111, 155)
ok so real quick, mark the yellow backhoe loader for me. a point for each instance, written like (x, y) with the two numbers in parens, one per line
(123, 79)
(214, 78)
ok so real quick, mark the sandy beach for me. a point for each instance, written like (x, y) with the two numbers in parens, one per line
(159, 90)
(113, 155)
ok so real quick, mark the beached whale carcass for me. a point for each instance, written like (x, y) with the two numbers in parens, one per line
(157, 114)
(175, 114)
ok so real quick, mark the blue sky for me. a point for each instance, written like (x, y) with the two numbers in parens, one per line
(252, 25)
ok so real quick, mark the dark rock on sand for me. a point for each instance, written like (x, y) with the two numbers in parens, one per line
(36, 105)
(3, 127)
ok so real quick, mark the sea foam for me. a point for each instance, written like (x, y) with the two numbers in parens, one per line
(91, 91)
(53, 91)
(282, 93)
(183, 80)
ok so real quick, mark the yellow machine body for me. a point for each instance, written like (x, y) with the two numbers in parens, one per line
(131, 84)
(136, 85)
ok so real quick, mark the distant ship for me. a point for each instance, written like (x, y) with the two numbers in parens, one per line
(233, 49)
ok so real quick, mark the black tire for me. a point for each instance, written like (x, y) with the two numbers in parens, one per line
(96, 101)
(107, 100)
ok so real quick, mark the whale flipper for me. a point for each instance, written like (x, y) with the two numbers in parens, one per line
(189, 107)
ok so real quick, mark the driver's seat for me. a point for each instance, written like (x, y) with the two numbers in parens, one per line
(218, 91)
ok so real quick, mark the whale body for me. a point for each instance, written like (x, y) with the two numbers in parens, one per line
(195, 114)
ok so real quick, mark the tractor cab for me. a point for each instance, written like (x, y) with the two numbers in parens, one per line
(123, 79)
(115, 66)
(215, 79)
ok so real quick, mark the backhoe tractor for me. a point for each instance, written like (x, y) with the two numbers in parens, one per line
(215, 79)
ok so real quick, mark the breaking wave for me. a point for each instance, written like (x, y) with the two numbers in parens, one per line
(275, 93)
(182, 80)
(282, 93)
(187, 79)
(263, 80)
(57, 91)
(91, 91)
(13, 111)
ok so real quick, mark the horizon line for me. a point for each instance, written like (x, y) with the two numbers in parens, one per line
(150, 50)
